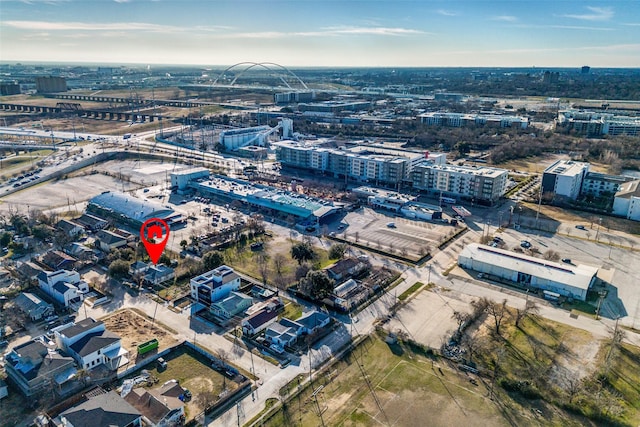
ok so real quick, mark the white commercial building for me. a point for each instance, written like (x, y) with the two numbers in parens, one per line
(181, 179)
(626, 202)
(564, 178)
(572, 281)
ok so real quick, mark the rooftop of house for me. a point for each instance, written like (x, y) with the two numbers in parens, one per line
(80, 327)
(104, 410)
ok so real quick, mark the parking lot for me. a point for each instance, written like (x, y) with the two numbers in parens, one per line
(399, 235)
(610, 254)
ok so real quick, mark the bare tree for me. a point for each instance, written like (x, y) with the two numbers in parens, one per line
(223, 355)
(498, 311)
(461, 318)
(279, 261)
(573, 385)
(530, 307)
(551, 255)
(471, 344)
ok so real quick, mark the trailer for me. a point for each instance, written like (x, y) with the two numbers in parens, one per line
(148, 346)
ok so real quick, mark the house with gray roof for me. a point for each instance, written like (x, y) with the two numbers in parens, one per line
(34, 307)
(108, 241)
(91, 344)
(34, 367)
(103, 410)
(70, 228)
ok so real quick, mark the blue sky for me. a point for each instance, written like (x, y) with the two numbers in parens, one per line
(560, 33)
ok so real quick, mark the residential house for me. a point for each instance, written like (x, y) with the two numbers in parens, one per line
(29, 271)
(63, 286)
(103, 410)
(214, 285)
(108, 241)
(273, 303)
(138, 267)
(281, 335)
(160, 407)
(313, 321)
(58, 260)
(70, 228)
(349, 294)
(33, 306)
(232, 305)
(345, 268)
(259, 321)
(286, 331)
(80, 252)
(156, 274)
(34, 368)
(91, 344)
(92, 222)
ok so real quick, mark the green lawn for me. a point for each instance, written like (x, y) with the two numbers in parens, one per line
(406, 294)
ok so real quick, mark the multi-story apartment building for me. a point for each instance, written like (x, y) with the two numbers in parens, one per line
(364, 164)
(564, 178)
(479, 184)
(593, 123)
(600, 184)
(461, 119)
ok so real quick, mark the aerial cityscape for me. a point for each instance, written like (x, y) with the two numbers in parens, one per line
(319, 213)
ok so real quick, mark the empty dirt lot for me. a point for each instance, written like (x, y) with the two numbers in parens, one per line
(134, 329)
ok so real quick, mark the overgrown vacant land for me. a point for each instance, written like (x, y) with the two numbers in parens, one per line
(540, 373)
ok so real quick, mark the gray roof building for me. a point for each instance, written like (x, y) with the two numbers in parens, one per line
(131, 208)
(104, 410)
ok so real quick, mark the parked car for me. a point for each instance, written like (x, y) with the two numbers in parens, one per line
(162, 364)
(525, 244)
(580, 227)
(566, 260)
(391, 224)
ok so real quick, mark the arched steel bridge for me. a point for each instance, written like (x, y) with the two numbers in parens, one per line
(266, 66)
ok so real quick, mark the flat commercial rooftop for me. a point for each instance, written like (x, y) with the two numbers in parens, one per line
(578, 276)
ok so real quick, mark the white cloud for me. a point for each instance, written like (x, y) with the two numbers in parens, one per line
(329, 31)
(597, 14)
(446, 12)
(504, 18)
(88, 26)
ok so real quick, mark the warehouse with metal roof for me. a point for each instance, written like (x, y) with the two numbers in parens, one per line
(126, 208)
(572, 281)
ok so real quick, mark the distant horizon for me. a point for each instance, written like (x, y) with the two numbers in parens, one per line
(390, 67)
(326, 33)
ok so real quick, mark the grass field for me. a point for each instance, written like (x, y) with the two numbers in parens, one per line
(400, 385)
(407, 389)
(194, 373)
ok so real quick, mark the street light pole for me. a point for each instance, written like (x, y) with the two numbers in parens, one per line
(598, 230)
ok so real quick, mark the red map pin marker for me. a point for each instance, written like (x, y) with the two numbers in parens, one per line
(151, 230)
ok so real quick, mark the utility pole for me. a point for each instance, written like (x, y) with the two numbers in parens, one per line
(320, 410)
(598, 230)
